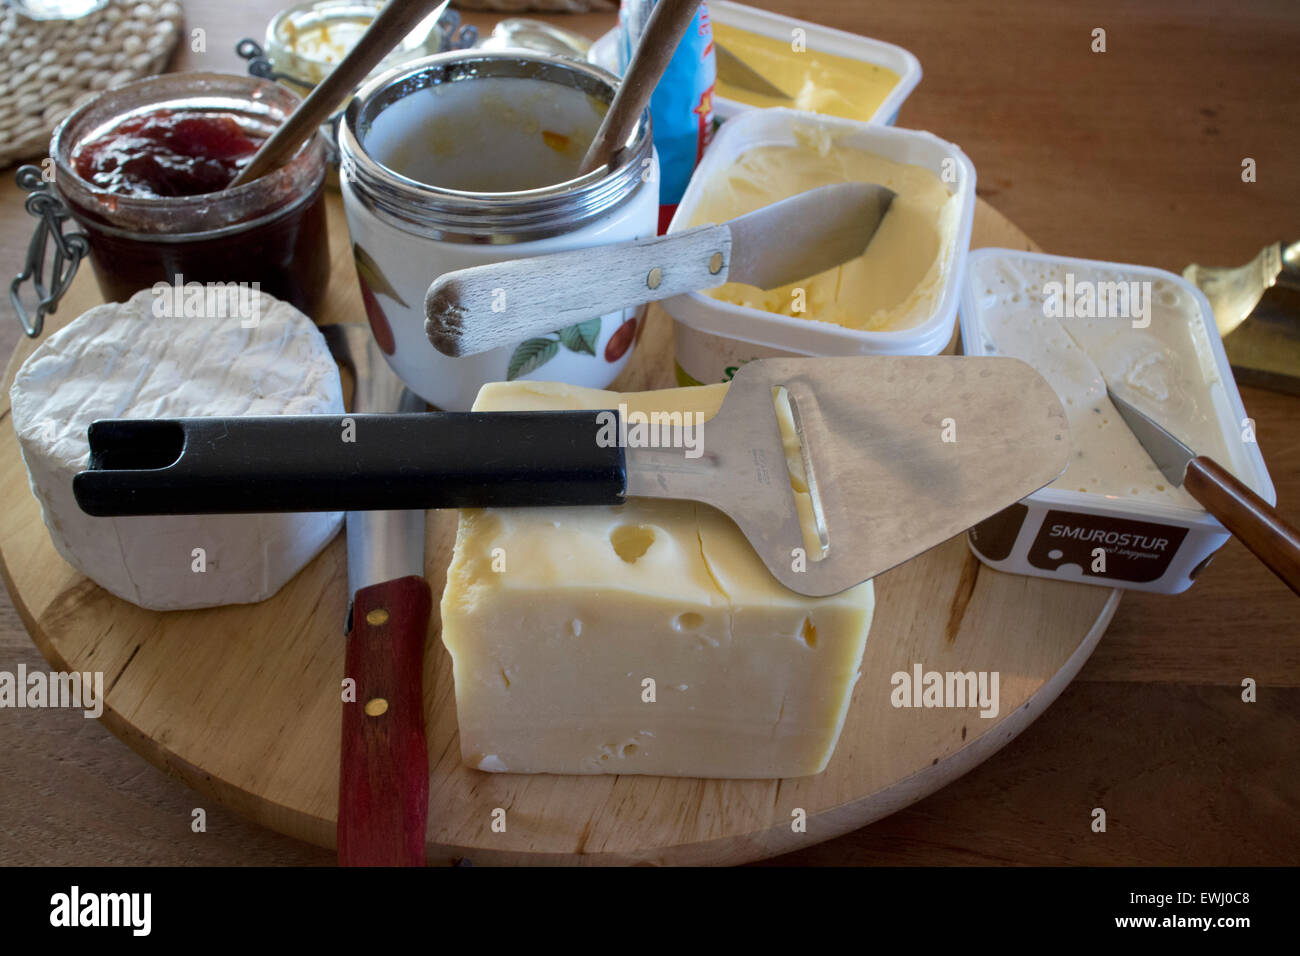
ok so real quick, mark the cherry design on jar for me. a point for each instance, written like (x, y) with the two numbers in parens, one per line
(373, 280)
(620, 341)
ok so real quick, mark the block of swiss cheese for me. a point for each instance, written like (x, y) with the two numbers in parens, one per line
(643, 638)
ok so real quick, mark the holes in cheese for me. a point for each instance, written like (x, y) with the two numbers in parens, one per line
(631, 541)
(808, 632)
(688, 621)
(753, 680)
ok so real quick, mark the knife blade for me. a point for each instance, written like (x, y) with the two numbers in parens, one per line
(806, 234)
(1249, 517)
(383, 769)
(734, 71)
(485, 307)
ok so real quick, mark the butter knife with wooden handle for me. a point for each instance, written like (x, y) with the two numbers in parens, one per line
(484, 307)
(1251, 519)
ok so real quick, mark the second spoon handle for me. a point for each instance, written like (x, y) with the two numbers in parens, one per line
(656, 47)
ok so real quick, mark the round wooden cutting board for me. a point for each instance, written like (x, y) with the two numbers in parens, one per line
(243, 703)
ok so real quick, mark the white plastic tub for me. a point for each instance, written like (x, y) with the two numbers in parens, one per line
(824, 40)
(713, 338)
(604, 52)
(1149, 545)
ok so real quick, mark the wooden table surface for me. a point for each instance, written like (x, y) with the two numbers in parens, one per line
(1132, 155)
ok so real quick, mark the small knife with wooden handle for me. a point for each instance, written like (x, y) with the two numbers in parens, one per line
(484, 307)
(1254, 522)
(384, 762)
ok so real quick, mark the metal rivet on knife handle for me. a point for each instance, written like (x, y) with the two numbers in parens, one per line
(655, 277)
(376, 707)
(377, 617)
(715, 264)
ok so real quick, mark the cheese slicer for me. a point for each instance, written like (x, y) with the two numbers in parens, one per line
(899, 454)
(1250, 518)
(484, 307)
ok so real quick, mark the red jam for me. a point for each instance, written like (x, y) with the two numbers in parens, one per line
(150, 191)
(166, 153)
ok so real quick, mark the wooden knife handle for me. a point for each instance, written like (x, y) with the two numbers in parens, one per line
(393, 22)
(1248, 516)
(384, 771)
(484, 307)
(658, 42)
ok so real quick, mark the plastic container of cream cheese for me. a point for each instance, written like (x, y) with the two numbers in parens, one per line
(1112, 518)
(919, 251)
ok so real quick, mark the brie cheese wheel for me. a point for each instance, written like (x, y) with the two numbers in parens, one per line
(122, 360)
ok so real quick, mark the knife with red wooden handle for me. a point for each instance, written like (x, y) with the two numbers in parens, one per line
(1253, 521)
(384, 771)
(384, 765)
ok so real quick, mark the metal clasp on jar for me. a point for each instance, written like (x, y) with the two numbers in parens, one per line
(452, 35)
(69, 250)
(259, 65)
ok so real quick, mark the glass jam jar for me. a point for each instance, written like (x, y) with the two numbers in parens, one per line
(271, 231)
(471, 157)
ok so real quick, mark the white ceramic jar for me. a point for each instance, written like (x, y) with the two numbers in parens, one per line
(467, 158)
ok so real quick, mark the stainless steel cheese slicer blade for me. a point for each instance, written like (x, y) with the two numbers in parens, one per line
(898, 454)
(893, 456)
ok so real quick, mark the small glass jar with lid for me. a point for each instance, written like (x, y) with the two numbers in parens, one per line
(305, 42)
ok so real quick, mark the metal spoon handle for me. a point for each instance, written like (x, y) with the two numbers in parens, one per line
(395, 21)
(656, 47)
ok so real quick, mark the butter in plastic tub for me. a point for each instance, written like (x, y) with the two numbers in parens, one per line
(1112, 518)
(823, 70)
(899, 298)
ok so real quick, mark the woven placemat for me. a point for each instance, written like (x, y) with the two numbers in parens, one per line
(47, 68)
(540, 6)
